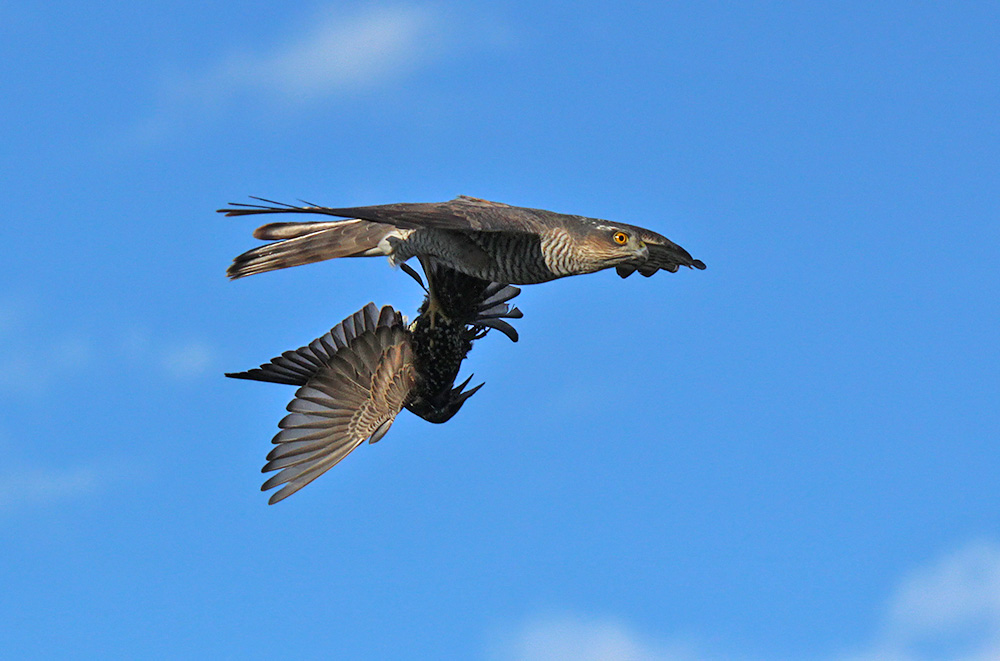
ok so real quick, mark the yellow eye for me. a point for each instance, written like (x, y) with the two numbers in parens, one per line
(621, 238)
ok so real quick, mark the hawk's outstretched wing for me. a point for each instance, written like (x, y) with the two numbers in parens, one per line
(354, 380)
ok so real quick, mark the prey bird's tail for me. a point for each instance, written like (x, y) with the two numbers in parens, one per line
(471, 301)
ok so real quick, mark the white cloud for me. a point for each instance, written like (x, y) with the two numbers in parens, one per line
(948, 610)
(188, 360)
(574, 638)
(32, 368)
(338, 52)
(33, 363)
(36, 486)
(24, 487)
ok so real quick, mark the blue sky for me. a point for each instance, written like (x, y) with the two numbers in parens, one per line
(790, 455)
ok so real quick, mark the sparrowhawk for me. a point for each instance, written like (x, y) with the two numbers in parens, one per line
(487, 240)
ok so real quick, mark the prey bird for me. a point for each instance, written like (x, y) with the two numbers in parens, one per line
(491, 241)
(354, 380)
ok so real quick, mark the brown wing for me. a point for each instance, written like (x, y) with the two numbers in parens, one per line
(295, 368)
(462, 213)
(354, 381)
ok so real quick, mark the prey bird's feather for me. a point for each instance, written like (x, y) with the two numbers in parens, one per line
(347, 396)
(356, 378)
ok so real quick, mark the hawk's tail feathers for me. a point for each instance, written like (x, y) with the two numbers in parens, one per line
(281, 231)
(270, 206)
(304, 243)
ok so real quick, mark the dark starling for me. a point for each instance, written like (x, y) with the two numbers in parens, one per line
(354, 380)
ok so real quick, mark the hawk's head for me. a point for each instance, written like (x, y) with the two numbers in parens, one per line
(610, 245)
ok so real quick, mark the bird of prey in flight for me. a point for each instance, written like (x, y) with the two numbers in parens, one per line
(486, 240)
(354, 380)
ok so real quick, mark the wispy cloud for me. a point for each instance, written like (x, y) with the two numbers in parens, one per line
(188, 360)
(948, 610)
(19, 488)
(575, 638)
(31, 368)
(36, 362)
(338, 52)
(23, 487)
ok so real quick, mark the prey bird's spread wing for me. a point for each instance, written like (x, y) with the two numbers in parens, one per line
(356, 378)
(354, 381)
(296, 367)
